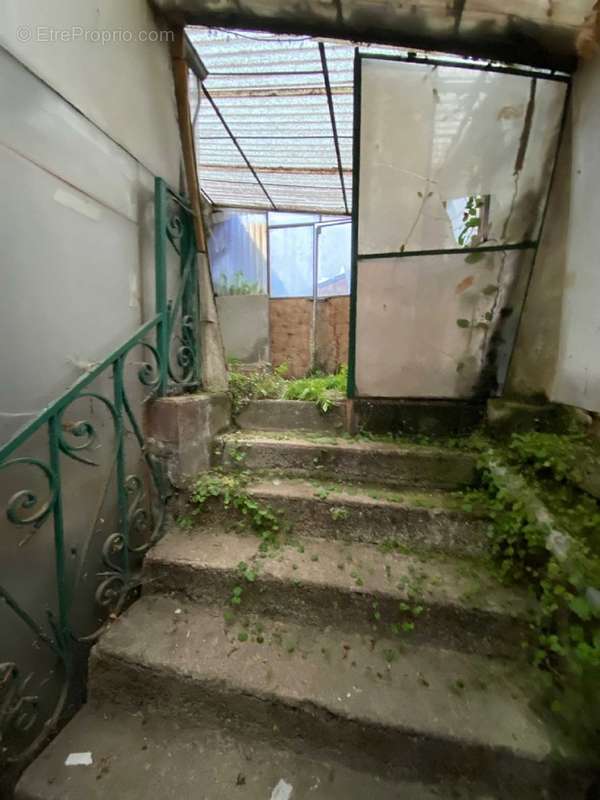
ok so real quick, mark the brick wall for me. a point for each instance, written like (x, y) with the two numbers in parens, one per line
(333, 320)
(290, 328)
(290, 321)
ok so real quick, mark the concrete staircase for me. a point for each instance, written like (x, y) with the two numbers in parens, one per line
(371, 654)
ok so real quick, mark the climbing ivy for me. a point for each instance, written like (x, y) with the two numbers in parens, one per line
(566, 625)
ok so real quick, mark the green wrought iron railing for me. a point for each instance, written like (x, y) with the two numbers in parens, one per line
(161, 357)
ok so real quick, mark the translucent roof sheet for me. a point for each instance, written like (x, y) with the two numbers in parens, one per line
(264, 133)
(271, 93)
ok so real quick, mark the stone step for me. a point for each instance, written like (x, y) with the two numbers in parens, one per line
(413, 710)
(290, 415)
(453, 603)
(426, 521)
(144, 756)
(363, 461)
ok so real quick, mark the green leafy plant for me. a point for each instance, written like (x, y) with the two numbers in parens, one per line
(472, 221)
(230, 490)
(261, 384)
(324, 390)
(267, 384)
(567, 619)
(236, 285)
(338, 513)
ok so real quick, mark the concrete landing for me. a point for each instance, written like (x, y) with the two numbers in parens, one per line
(377, 462)
(290, 415)
(355, 586)
(143, 756)
(423, 710)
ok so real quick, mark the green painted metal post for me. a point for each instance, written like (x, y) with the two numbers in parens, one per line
(190, 295)
(120, 463)
(351, 387)
(62, 590)
(160, 276)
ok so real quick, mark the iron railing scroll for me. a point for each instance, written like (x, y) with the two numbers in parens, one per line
(42, 649)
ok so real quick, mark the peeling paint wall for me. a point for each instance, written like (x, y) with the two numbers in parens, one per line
(559, 338)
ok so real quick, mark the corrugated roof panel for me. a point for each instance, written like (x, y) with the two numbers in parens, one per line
(270, 91)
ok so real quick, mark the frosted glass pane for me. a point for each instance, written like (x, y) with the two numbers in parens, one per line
(432, 137)
(334, 249)
(437, 326)
(291, 261)
(238, 252)
(284, 218)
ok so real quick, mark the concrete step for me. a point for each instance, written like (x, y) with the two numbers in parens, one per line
(367, 461)
(145, 756)
(426, 521)
(290, 415)
(379, 591)
(413, 710)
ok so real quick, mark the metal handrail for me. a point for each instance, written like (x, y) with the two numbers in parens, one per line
(171, 364)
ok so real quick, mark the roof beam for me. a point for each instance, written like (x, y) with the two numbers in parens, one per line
(539, 39)
(333, 125)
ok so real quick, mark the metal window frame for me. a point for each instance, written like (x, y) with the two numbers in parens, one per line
(413, 58)
(315, 266)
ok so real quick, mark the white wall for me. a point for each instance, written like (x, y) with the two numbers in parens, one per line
(84, 129)
(79, 148)
(558, 349)
(577, 379)
(125, 88)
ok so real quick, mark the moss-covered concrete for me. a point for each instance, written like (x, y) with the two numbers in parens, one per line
(386, 463)
(376, 589)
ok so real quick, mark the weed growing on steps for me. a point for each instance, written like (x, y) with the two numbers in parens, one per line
(267, 384)
(230, 489)
(567, 620)
(338, 513)
(324, 390)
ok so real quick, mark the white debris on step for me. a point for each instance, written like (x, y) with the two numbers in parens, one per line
(283, 791)
(78, 760)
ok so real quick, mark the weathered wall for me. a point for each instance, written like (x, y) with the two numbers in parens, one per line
(123, 87)
(87, 200)
(244, 321)
(84, 129)
(290, 333)
(557, 348)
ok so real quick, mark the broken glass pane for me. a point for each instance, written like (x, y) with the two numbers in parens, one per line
(430, 135)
